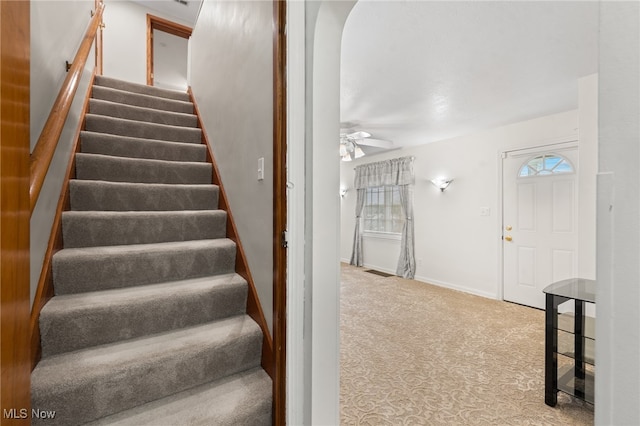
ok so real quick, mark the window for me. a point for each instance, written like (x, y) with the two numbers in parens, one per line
(382, 210)
(547, 164)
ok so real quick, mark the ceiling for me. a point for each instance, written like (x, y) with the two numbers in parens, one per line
(185, 13)
(415, 72)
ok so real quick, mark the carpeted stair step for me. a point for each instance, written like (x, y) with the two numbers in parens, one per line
(85, 385)
(130, 112)
(78, 270)
(121, 196)
(240, 399)
(108, 228)
(139, 129)
(121, 146)
(141, 170)
(141, 88)
(77, 321)
(137, 99)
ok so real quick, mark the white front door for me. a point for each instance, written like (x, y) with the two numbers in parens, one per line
(540, 238)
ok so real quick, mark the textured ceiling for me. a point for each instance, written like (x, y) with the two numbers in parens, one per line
(419, 71)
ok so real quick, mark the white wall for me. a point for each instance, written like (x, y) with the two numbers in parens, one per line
(455, 246)
(170, 61)
(125, 40)
(231, 78)
(324, 22)
(57, 29)
(588, 133)
(618, 217)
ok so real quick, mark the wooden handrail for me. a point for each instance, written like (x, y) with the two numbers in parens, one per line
(48, 140)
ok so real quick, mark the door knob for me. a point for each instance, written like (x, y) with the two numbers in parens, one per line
(508, 238)
(508, 228)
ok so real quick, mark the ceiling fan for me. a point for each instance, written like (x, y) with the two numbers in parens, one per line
(350, 144)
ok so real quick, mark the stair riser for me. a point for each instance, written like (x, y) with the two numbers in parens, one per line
(69, 330)
(120, 146)
(93, 195)
(130, 112)
(103, 269)
(119, 169)
(136, 99)
(242, 399)
(137, 129)
(140, 88)
(125, 387)
(96, 229)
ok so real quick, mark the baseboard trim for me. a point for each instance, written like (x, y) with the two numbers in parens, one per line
(456, 287)
(427, 280)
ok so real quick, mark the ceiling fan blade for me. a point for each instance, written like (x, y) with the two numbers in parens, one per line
(359, 135)
(378, 143)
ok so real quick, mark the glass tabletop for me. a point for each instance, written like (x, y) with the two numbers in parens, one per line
(574, 288)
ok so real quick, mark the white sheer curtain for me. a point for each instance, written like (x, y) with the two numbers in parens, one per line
(396, 172)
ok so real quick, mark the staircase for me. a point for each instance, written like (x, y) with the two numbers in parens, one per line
(148, 324)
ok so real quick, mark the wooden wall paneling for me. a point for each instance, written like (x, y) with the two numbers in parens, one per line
(15, 211)
(279, 210)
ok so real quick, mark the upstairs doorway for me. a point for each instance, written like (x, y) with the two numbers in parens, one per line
(167, 53)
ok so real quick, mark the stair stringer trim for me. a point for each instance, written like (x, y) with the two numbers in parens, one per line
(254, 309)
(44, 290)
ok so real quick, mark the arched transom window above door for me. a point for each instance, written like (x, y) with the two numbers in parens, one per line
(546, 164)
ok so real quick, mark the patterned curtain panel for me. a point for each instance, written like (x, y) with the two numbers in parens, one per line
(407, 261)
(356, 253)
(395, 172)
(398, 171)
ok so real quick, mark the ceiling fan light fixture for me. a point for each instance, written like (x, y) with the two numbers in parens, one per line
(343, 150)
(346, 157)
(358, 152)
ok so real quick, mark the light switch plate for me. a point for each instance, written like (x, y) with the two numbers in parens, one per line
(261, 168)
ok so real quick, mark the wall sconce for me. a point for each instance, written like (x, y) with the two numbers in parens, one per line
(441, 183)
(343, 192)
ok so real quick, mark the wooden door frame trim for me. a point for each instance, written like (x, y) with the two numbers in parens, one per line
(279, 209)
(161, 24)
(15, 213)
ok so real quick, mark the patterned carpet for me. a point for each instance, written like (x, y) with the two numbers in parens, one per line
(417, 354)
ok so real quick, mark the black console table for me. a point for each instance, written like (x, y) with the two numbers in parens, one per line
(572, 336)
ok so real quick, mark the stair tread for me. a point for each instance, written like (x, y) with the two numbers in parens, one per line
(144, 170)
(131, 249)
(137, 295)
(140, 88)
(78, 270)
(131, 147)
(141, 99)
(90, 195)
(142, 129)
(143, 114)
(70, 368)
(105, 228)
(76, 321)
(88, 384)
(243, 398)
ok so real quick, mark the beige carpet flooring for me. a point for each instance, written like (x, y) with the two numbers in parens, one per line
(418, 354)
